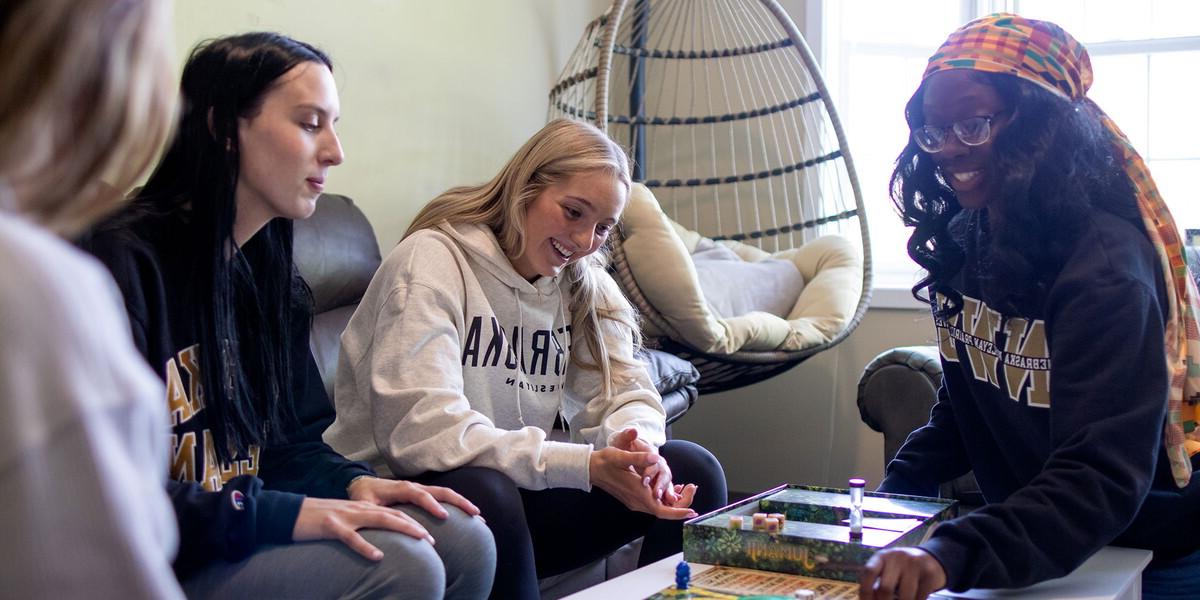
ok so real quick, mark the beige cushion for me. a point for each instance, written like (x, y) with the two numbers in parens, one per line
(659, 254)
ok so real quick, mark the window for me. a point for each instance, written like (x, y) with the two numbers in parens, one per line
(873, 53)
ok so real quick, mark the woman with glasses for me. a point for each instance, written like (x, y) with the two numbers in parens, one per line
(1065, 320)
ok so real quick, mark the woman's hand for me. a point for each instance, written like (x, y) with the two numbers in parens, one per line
(616, 471)
(386, 492)
(901, 573)
(327, 519)
(658, 475)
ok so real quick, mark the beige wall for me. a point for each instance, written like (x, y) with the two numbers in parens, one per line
(434, 93)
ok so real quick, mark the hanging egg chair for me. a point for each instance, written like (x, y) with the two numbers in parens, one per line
(744, 243)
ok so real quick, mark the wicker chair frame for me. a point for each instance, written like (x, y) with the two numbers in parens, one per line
(758, 35)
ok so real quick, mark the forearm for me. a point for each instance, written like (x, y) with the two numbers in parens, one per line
(931, 455)
(309, 468)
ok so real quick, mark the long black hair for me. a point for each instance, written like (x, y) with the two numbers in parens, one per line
(244, 336)
(1057, 163)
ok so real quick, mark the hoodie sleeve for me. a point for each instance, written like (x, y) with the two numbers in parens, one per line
(634, 402)
(409, 373)
(930, 456)
(229, 524)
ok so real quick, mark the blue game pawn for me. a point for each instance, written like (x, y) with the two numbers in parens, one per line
(683, 574)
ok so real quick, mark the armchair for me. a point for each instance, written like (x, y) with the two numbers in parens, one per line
(896, 391)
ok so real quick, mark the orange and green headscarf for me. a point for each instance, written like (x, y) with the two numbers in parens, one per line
(1042, 53)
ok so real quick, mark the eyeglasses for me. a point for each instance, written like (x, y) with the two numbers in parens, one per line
(974, 131)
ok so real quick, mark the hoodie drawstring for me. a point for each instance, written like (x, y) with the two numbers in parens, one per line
(519, 350)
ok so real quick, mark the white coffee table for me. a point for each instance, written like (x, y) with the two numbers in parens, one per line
(1111, 574)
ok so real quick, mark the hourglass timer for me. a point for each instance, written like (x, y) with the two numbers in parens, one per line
(856, 510)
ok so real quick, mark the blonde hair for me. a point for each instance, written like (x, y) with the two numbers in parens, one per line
(562, 149)
(86, 91)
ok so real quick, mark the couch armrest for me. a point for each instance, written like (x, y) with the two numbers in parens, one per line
(896, 392)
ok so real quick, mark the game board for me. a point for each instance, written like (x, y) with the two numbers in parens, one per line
(726, 583)
(815, 539)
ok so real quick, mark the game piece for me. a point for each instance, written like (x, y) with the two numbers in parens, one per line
(736, 521)
(771, 524)
(856, 512)
(760, 521)
(683, 574)
(804, 593)
(782, 518)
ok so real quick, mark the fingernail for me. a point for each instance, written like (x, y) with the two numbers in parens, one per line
(480, 517)
(377, 555)
(430, 538)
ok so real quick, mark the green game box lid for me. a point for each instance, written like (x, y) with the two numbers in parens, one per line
(815, 539)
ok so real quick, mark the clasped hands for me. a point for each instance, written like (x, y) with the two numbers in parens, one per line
(370, 507)
(633, 472)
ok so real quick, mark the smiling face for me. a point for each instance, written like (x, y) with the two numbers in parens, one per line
(287, 149)
(949, 97)
(568, 221)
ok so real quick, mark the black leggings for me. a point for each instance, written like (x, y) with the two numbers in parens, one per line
(547, 532)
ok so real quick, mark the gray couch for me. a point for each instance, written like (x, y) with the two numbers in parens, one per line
(896, 391)
(337, 254)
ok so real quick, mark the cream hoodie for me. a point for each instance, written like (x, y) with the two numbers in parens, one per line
(453, 359)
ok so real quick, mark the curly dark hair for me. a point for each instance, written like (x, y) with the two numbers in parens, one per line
(1058, 163)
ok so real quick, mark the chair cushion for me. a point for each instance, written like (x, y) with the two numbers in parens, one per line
(660, 256)
(675, 379)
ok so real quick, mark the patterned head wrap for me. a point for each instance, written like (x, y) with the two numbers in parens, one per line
(1044, 54)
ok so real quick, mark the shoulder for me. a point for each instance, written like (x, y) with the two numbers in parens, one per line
(428, 257)
(128, 248)
(1112, 250)
(41, 272)
(54, 299)
(1113, 265)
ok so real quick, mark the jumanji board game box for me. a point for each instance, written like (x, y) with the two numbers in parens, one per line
(804, 530)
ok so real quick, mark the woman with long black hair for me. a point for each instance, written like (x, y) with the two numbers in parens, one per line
(204, 259)
(1066, 325)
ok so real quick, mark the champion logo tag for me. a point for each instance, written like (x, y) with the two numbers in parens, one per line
(238, 500)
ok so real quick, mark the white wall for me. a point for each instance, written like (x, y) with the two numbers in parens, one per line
(434, 93)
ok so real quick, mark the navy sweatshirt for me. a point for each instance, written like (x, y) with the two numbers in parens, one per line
(224, 511)
(1059, 412)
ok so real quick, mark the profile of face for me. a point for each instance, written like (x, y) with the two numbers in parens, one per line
(287, 148)
(568, 221)
(957, 104)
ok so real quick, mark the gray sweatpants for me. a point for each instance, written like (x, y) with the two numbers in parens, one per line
(460, 565)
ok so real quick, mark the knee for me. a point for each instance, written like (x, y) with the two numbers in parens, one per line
(693, 463)
(410, 568)
(468, 552)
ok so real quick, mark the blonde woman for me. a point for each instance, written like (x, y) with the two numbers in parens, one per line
(85, 90)
(493, 317)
